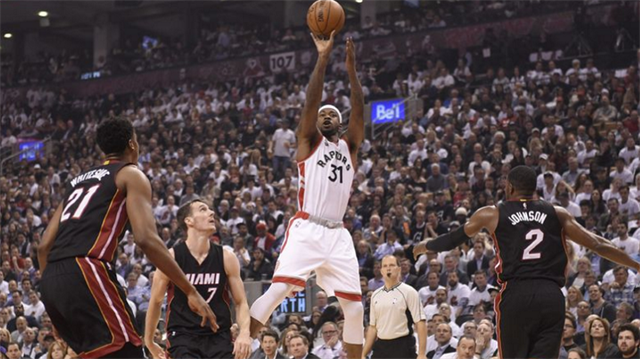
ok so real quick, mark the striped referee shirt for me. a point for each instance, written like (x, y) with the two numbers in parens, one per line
(392, 308)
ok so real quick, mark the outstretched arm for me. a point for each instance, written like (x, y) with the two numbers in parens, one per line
(485, 218)
(138, 189)
(600, 245)
(48, 237)
(355, 132)
(242, 344)
(158, 289)
(307, 131)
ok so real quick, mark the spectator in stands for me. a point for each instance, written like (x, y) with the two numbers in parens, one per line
(598, 343)
(377, 281)
(299, 348)
(268, 346)
(443, 337)
(620, 290)
(282, 143)
(428, 292)
(332, 346)
(451, 265)
(479, 261)
(568, 334)
(599, 306)
(628, 340)
(260, 267)
(486, 346)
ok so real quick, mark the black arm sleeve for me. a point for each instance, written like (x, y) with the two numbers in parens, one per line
(448, 241)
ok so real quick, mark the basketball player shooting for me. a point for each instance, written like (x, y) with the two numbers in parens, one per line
(529, 236)
(315, 238)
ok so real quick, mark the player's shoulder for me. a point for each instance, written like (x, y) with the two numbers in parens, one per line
(227, 251)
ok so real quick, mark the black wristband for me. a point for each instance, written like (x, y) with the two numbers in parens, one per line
(448, 241)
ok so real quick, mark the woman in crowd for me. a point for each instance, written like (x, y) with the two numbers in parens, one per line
(597, 340)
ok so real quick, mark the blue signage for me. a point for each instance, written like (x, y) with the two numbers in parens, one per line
(387, 111)
(33, 150)
(297, 304)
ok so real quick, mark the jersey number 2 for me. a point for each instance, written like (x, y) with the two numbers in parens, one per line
(537, 236)
(74, 197)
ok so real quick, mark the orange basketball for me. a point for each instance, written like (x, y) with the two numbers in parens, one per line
(325, 16)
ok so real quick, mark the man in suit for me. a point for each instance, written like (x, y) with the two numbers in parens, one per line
(405, 273)
(443, 337)
(299, 348)
(268, 347)
(479, 261)
(451, 265)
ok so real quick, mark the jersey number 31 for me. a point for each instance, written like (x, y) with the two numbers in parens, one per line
(336, 173)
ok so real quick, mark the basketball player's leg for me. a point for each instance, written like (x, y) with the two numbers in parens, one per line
(128, 351)
(81, 312)
(340, 275)
(513, 324)
(265, 305)
(550, 305)
(301, 253)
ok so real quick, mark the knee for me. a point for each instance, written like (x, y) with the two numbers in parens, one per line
(353, 310)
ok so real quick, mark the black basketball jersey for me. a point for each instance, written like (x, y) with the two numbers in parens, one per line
(94, 215)
(529, 242)
(210, 280)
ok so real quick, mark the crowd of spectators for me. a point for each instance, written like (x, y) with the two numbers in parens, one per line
(232, 145)
(218, 40)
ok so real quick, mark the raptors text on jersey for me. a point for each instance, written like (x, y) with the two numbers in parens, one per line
(325, 180)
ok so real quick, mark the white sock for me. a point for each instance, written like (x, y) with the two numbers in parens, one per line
(353, 332)
(269, 301)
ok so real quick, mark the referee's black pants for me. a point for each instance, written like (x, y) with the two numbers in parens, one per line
(530, 319)
(399, 348)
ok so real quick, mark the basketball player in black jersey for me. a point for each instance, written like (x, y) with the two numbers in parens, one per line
(529, 236)
(79, 288)
(214, 272)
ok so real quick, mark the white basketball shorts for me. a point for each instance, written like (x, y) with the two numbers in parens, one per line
(309, 246)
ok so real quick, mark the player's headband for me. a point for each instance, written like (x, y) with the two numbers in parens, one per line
(331, 107)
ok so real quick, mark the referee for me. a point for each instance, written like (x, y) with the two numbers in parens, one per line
(395, 307)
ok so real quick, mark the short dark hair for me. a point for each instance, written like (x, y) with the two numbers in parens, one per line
(619, 268)
(305, 340)
(579, 351)
(569, 316)
(631, 328)
(467, 337)
(270, 333)
(113, 135)
(523, 179)
(185, 211)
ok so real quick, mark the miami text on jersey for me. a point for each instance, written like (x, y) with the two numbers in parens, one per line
(203, 278)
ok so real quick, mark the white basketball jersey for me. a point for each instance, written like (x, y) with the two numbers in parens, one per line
(324, 185)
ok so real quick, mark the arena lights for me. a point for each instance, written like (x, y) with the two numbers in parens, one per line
(8, 35)
(43, 13)
(359, 1)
